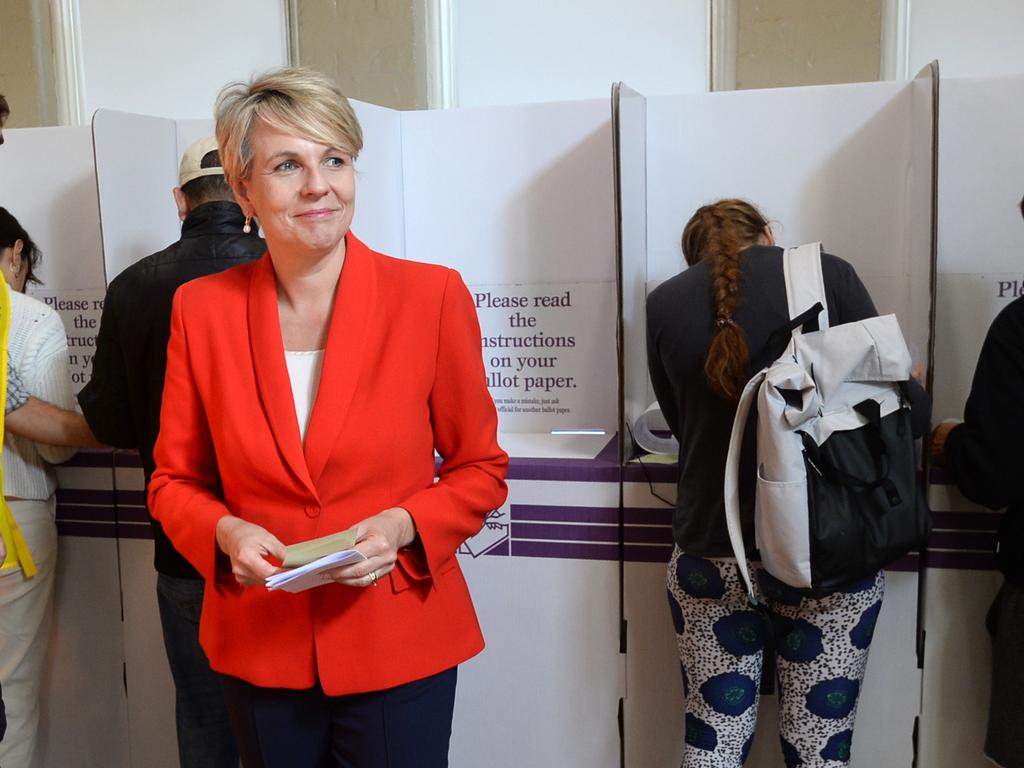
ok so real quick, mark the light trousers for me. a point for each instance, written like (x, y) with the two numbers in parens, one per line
(26, 611)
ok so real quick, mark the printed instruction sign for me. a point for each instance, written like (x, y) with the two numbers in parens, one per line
(549, 354)
(80, 311)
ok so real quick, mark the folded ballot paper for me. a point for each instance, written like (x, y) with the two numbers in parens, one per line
(306, 561)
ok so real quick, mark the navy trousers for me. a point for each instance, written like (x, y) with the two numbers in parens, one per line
(408, 726)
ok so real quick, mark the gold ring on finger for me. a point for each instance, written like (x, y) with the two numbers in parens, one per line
(373, 578)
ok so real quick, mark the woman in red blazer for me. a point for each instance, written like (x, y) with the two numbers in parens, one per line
(306, 394)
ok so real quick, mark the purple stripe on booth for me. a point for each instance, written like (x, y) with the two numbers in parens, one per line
(661, 535)
(128, 459)
(907, 564)
(563, 470)
(606, 515)
(648, 515)
(565, 550)
(635, 472)
(97, 513)
(131, 498)
(603, 468)
(80, 528)
(91, 458)
(966, 521)
(973, 561)
(559, 514)
(132, 514)
(133, 530)
(607, 533)
(85, 496)
(641, 553)
(962, 540)
(550, 532)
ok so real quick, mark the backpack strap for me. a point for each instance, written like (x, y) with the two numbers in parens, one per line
(779, 339)
(732, 481)
(805, 284)
(808, 310)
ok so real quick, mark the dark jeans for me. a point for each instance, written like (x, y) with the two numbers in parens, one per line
(408, 726)
(204, 730)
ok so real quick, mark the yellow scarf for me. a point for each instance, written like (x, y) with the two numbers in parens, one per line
(18, 555)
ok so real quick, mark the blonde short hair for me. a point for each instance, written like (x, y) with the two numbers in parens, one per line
(292, 99)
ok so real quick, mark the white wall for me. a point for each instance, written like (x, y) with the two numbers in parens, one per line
(169, 59)
(546, 50)
(968, 39)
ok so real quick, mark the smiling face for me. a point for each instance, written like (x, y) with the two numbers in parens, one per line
(302, 192)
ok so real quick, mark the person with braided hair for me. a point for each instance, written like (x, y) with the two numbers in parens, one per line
(707, 329)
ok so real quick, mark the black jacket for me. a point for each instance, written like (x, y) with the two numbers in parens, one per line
(985, 454)
(121, 402)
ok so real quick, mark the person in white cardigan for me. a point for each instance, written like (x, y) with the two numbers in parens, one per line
(37, 350)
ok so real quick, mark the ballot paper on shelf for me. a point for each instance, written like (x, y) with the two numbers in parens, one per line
(311, 575)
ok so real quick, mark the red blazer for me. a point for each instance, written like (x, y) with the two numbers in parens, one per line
(402, 375)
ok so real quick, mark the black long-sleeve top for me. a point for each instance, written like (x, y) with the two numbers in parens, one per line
(985, 454)
(680, 322)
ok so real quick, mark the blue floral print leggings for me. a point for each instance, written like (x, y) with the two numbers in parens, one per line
(821, 647)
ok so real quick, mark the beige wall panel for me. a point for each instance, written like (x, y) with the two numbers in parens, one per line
(18, 77)
(794, 42)
(26, 63)
(368, 46)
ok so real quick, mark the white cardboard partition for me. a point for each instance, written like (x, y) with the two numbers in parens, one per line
(137, 158)
(981, 270)
(630, 111)
(47, 181)
(136, 203)
(849, 165)
(519, 200)
(839, 164)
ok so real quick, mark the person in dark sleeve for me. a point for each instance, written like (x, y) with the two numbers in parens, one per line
(985, 457)
(706, 329)
(121, 404)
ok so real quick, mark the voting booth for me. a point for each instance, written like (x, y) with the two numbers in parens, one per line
(851, 166)
(980, 271)
(561, 217)
(531, 232)
(48, 182)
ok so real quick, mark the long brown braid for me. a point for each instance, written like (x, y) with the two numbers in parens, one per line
(719, 232)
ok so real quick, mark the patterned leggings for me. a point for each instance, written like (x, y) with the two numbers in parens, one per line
(822, 651)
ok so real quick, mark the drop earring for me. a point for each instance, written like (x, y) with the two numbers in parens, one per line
(247, 228)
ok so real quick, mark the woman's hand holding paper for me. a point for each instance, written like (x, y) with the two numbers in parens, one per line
(379, 538)
(248, 546)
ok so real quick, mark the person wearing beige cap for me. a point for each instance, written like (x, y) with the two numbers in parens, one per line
(121, 404)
